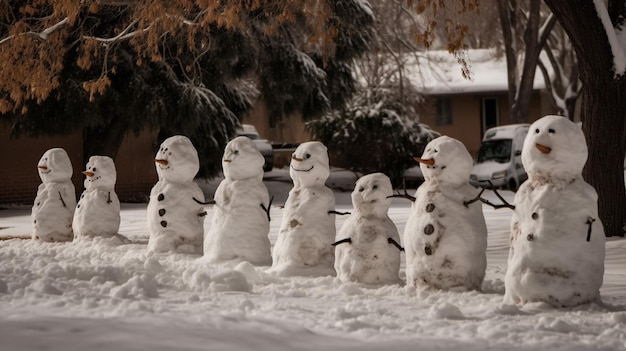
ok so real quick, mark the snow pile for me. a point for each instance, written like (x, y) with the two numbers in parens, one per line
(116, 294)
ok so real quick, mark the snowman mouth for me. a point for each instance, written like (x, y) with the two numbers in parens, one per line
(94, 179)
(45, 171)
(302, 170)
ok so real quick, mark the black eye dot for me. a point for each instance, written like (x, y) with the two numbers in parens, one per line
(236, 152)
(166, 149)
(94, 169)
(375, 187)
(436, 150)
(361, 189)
(551, 131)
(537, 131)
(307, 156)
(293, 156)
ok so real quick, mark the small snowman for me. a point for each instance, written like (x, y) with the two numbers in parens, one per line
(175, 211)
(240, 224)
(98, 210)
(556, 253)
(304, 243)
(368, 249)
(54, 205)
(445, 236)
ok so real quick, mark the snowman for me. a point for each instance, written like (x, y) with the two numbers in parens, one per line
(240, 224)
(98, 210)
(304, 243)
(556, 253)
(368, 249)
(54, 205)
(445, 236)
(175, 213)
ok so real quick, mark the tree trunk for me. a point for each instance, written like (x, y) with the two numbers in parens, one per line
(105, 141)
(603, 110)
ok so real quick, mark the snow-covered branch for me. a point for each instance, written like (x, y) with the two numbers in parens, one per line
(124, 35)
(43, 35)
(619, 51)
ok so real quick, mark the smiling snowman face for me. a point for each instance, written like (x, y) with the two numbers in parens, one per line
(372, 193)
(446, 160)
(554, 146)
(100, 173)
(242, 159)
(55, 166)
(177, 160)
(309, 164)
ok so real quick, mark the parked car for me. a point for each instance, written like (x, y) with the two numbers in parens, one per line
(500, 158)
(263, 145)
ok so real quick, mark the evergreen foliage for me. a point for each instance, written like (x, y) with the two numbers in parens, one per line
(375, 132)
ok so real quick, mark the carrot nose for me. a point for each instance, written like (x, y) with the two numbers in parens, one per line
(544, 149)
(161, 162)
(297, 159)
(426, 161)
(226, 160)
(88, 173)
(42, 167)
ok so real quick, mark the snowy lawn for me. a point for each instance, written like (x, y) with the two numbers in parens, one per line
(109, 294)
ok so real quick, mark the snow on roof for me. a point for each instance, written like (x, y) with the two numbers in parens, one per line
(439, 73)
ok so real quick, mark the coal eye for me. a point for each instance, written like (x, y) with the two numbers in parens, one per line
(436, 150)
(537, 131)
(307, 156)
(236, 152)
(361, 189)
(551, 131)
(375, 187)
(293, 156)
(94, 169)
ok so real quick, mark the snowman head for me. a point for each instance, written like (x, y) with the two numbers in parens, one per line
(55, 166)
(242, 160)
(100, 173)
(309, 164)
(446, 160)
(554, 147)
(371, 195)
(177, 160)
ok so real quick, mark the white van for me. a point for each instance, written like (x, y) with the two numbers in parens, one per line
(500, 158)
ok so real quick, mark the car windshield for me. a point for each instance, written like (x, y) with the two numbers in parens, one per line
(250, 135)
(495, 150)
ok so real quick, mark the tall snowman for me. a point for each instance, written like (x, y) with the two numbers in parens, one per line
(368, 246)
(304, 243)
(557, 240)
(445, 238)
(98, 210)
(175, 213)
(240, 224)
(54, 205)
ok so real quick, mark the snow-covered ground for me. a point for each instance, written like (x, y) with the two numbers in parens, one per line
(106, 294)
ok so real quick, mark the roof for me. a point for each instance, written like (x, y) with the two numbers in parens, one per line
(439, 73)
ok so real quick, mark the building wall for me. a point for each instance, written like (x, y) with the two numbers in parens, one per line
(466, 116)
(19, 179)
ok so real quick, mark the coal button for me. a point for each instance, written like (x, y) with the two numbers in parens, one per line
(429, 229)
(161, 197)
(162, 212)
(428, 250)
(163, 224)
(430, 207)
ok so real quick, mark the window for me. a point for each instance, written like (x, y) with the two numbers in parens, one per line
(444, 111)
(490, 113)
